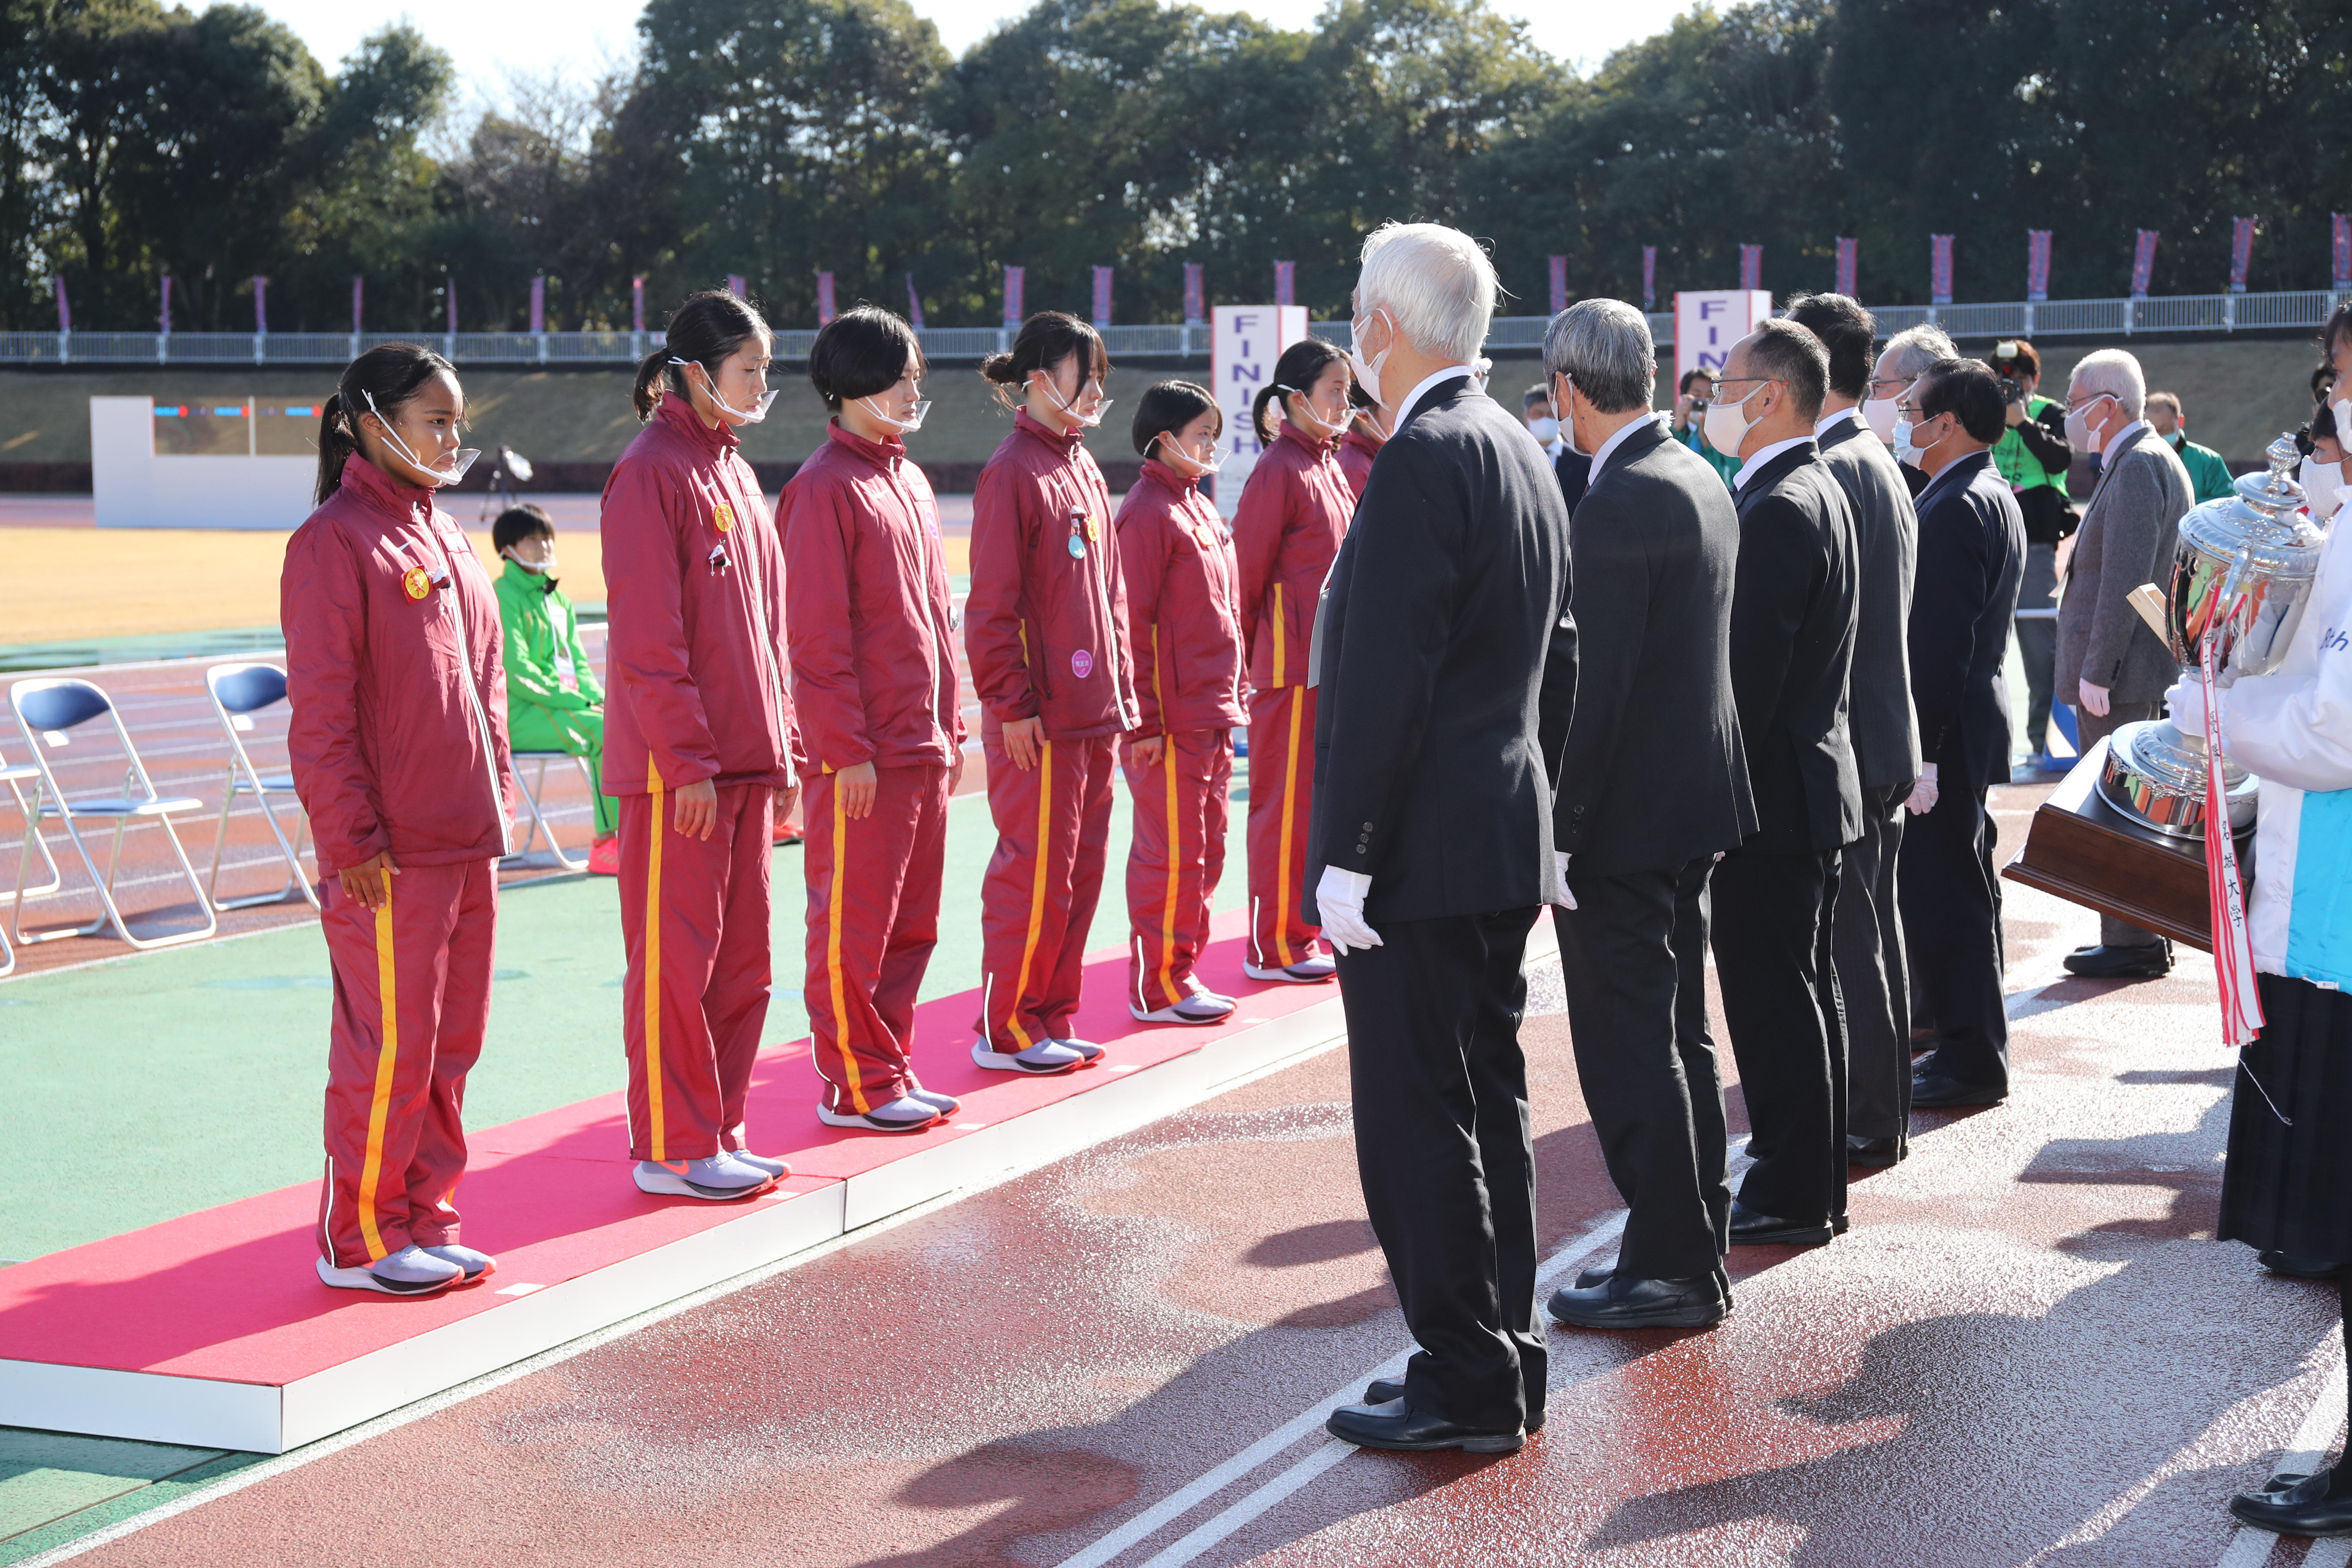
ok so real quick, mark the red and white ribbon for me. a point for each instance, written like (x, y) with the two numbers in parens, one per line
(2233, 945)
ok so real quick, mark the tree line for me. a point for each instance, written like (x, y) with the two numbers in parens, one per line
(778, 138)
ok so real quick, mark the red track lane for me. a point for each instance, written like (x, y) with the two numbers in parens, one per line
(2029, 1350)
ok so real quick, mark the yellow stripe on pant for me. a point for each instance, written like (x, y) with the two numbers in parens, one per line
(655, 828)
(1175, 845)
(834, 913)
(387, 1057)
(1289, 811)
(1038, 891)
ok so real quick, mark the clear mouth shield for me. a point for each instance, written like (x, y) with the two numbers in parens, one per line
(752, 416)
(458, 463)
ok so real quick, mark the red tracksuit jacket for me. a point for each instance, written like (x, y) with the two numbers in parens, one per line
(1183, 613)
(395, 670)
(1046, 628)
(1294, 512)
(865, 586)
(694, 591)
(1357, 451)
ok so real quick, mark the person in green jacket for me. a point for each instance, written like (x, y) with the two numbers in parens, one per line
(1694, 393)
(555, 702)
(2209, 476)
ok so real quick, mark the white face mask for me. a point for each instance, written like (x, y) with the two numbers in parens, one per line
(909, 425)
(2320, 482)
(1905, 452)
(2078, 426)
(1173, 454)
(1727, 424)
(460, 460)
(1367, 372)
(1089, 420)
(2342, 409)
(1878, 413)
(1546, 430)
(752, 416)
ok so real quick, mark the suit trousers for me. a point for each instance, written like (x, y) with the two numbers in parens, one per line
(1774, 921)
(1871, 979)
(2037, 642)
(1951, 917)
(1443, 1152)
(1633, 955)
(2093, 729)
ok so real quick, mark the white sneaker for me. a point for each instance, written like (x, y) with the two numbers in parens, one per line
(775, 1168)
(1306, 971)
(904, 1114)
(946, 1105)
(1197, 1008)
(718, 1178)
(1045, 1057)
(1089, 1054)
(477, 1265)
(408, 1272)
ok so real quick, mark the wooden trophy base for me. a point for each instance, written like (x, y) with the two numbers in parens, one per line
(2086, 852)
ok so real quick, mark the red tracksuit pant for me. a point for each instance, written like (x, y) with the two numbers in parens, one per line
(873, 921)
(1173, 862)
(1037, 900)
(1281, 789)
(694, 914)
(412, 1001)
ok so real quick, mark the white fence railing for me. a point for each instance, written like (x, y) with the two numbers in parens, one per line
(2026, 319)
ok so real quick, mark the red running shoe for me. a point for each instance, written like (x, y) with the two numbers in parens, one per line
(604, 856)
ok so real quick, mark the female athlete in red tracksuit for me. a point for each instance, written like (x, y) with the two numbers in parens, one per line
(873, 683)
(1184, 624)
(1294, 511)
(399, 749)
(1045, 629)
(699, 747)
(1359, 445)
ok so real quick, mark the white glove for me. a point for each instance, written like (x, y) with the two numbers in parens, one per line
(1924, 792)
(1560, 862)
(2186, 697)
(1340, 900)
(2094, 700)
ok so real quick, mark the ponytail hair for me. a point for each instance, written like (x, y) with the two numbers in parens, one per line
(707, 329)
(1046, 342)
(390, 374)
(1300, 365)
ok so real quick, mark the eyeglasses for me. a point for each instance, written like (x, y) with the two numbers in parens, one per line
(1896, 382)
(2072, 407)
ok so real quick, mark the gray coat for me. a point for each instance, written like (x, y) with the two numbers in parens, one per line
(2127, 539)
(1887, 548)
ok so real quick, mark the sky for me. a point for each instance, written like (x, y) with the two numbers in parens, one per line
(492, 38)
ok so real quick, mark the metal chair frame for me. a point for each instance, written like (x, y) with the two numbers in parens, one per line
(147, 805)
(244, 778)
(16, 777)
(539, 828)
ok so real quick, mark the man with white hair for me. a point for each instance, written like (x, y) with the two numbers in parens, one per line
(1447, 670)
(1904, 360)
(2114, 667)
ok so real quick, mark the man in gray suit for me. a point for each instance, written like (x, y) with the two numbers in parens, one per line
(1868, 927)
(2118, 668)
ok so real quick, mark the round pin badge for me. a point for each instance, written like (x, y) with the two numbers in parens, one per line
(1077, 547)
(416, 583)
(1082, 663)
(723, 518)
(1093, 531)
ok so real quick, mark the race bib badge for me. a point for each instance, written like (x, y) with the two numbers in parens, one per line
(1082, 663)
(415, 583)
(723, 518)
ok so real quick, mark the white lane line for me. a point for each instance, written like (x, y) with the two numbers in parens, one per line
(1250, 1507)
(2250, 1547)
(2333, 1553)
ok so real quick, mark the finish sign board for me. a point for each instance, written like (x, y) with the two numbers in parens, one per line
(1707, 324)
(1245, 342)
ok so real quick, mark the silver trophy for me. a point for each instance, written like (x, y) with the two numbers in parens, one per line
(2242, 568)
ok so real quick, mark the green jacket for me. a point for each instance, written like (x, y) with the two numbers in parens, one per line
(2209, 476)
(1728, 468)
(541, 633)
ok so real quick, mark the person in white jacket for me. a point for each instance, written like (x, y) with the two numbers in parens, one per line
(2287, 1187)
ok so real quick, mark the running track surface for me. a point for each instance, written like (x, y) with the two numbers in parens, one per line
(2028, 1351)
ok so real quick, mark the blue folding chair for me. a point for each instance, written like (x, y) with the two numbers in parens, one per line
(47, 711)
(239, 693)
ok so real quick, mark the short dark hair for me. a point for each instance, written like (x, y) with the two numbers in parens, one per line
(517, 523)
(1783, 350)
(1539, 392)
(1683, 386)
(1969, 391)
(2323, 380)
(1171, 406)
(1046, 341)
(2340, 324)
(1847, 330)
(2021, 357)
(862, 352)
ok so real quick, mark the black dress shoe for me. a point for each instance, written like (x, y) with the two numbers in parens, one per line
(2295, 1267)
(1622, 1302)
(1396, 1425)
(1877, 1152)
(2303, 1508)
(1749, 1228)
(1839, 1225)
(2120, 962)
(1380, 1390)
(1934, 1092)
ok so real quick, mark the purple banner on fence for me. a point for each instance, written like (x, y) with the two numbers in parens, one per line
(449, 300)
(738, 285)
(1559, 284)
(2242, 252)
(2037, 264)
(914, 305)
(1102, 296)
(538, 303)
(1649, 278)
(1939, 269)
(1016, 282)
(2342, 252)
(65, 310)
(1848, 267)
(1196, 292)
(637, 303)
(2143, 262)
(1285, 282)
(825, 298)
(260, 305)
(1751, 267)
(359, 303)
(164, 314)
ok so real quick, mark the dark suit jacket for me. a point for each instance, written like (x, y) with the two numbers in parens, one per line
(1575, 473)
(1653, 775)
(1793, 622)
(1887, 547)
(1971, 554)
(1448, 670)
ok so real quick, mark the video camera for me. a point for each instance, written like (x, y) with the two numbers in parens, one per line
(2004, 365)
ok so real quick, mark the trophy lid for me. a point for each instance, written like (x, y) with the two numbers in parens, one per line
(2261, 520)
